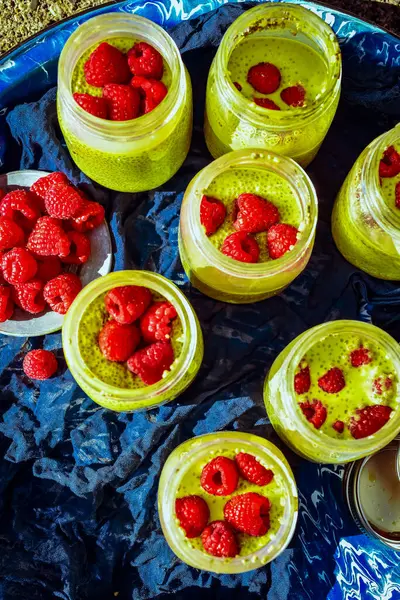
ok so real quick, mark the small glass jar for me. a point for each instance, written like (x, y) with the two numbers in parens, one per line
(135, 155)
(192, 456)
(284, 411)
(222, 277)
(184, 368)
(365, 229)
(233, 122)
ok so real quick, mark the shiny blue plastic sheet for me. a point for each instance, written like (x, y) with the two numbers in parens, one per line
(78, 484)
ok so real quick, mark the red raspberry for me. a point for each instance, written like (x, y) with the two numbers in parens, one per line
(380, 385)
(255, 214)
(241, 246)
(397, 194)
(155, 324)
(302, 380)
(369, 420)
(92, 104)
(333, 381)
(29, 296)
(63, 201)
(338, 426)
(220, 476)
(43, 184)
(18, 266)
(150, 363)
(48, 238)
(212, 214)
(48, 267)
(315, 412)
(248, 513)
(106, 65)
(79, 252)
(61, 291)
(6, 303)
(39, 364)
(2, 194)
(361, 356)
(294, 95)
(117, 342)
(146, 61)
(11, 234)
(127, 303)
(251, 470)
(237, 86)
(123, 102)
(20, 207)
(264, 77)
(280, 239)
(219, 540)
(193, 514)
(266, 103)
(389, 165)
(152, 91)
(89, 217)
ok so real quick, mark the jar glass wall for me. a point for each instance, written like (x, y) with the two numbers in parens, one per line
(366, 229)
(134, 155)
(233, 121)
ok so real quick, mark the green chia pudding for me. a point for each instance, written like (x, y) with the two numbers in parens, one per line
(298, 63)
(113, 373)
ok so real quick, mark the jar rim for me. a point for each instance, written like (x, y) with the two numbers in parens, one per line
(124, 25)
(155, 282)
(240, 28)
(169, 481)
(283, 166)
(300, 346)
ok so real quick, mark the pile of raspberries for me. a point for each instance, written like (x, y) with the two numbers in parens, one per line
(43, 232)
(130, 83)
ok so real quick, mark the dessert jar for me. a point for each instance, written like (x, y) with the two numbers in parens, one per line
(284, 411)
(138, 154)
(233, 121)
(192, 456)
(108, 393)
(222, 277)
(365, 229)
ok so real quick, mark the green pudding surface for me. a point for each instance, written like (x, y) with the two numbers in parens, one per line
(227, 186)
(334, 351)
(297, 62)
(79, 83)
(388, 188)
(112, 373)
(190, 485)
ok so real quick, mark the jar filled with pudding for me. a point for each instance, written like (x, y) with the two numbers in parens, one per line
(366, 214)
(274, 83)
(124, 102)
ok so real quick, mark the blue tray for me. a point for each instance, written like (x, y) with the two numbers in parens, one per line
(77, 483)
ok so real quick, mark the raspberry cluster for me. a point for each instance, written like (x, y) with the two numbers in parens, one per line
(367, 420)
(246, 513)
(130, 83)
(389, 166)
(138, 332)
(42, 232)
(253, 214)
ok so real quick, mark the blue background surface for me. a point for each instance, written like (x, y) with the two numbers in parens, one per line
(78, 484)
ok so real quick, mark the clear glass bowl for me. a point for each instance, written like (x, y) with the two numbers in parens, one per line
(196, 452)
(222, 277)
(233, 122)
(184, 369)
(127, 156)
(284, 411)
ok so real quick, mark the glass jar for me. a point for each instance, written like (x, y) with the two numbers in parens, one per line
(233, 122)
(191, 457)
(222, 277)
(183, 370)
(365, 229)
(135, 155)
(284, 411)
